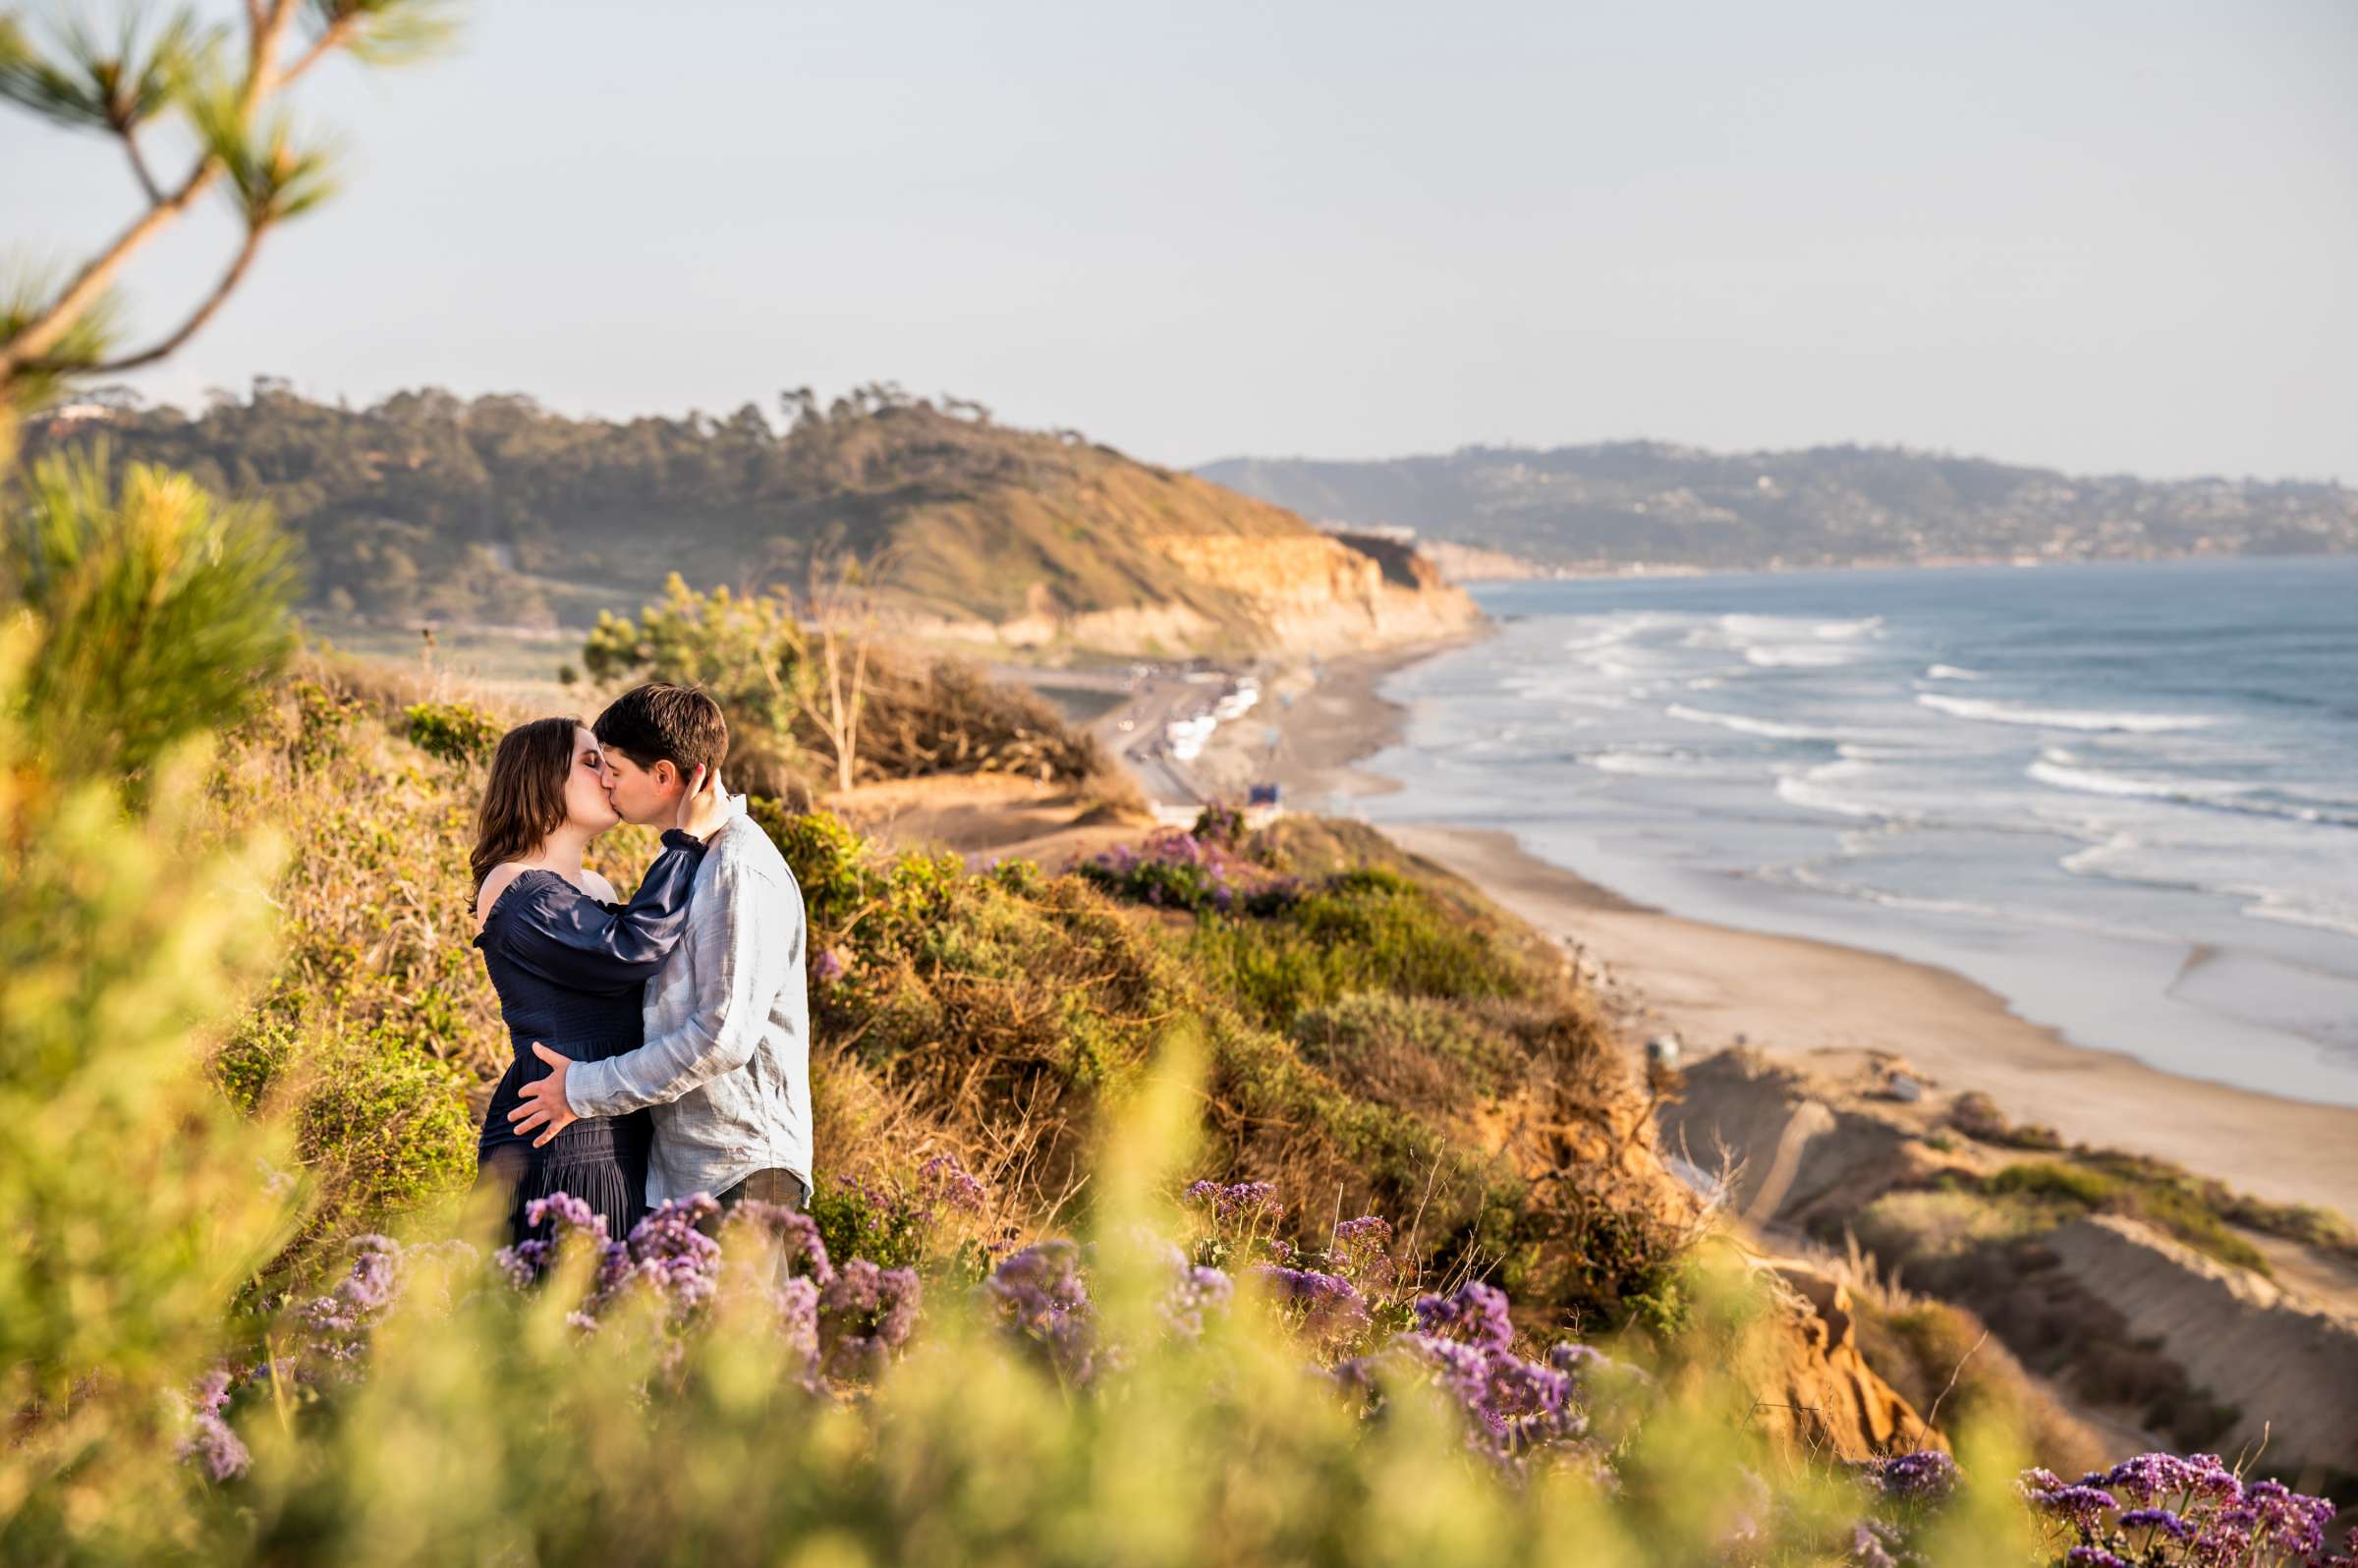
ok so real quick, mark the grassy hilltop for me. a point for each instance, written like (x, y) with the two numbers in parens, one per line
(499, 512)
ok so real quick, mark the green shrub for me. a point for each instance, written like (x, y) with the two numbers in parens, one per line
(1368, 929)
(2052, 1179)
(830, 862)
(2181, 1209)
(161, 612)
(454, 732)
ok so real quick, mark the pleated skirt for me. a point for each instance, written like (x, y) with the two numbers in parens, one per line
(600, 1160)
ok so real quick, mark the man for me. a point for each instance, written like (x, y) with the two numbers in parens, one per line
(726, 1066)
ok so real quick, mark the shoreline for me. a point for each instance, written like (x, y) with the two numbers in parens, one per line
(1798, 997)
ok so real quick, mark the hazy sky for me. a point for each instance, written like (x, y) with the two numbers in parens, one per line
(2103, 236)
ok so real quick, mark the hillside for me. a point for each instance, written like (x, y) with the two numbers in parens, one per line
(1635, 502)
(498, 512)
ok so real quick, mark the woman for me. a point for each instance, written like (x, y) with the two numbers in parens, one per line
(568, 960)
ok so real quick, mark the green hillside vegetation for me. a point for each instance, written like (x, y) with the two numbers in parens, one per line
(987, 1013)
(500, 512)
(1630, 502)
(242, 1022)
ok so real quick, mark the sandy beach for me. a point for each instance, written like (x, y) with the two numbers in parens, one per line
(1714, 986)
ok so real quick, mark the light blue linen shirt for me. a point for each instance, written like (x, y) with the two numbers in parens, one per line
(726, 1066)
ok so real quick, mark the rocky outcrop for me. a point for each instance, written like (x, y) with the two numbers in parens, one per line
(1813, 1386)
(1266, 592)
(2289, 1368)
(1799, 1147)
(1324, 593)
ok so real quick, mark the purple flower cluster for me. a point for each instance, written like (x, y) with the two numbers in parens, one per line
(1040, 1297)
(1362, 1253)
(666, 1250)
(2162, 1509)
(1194, 1292)
(1251, 1201)
(669, 1253)
(1872, 1543)
(362, 1294)
(1190, 871)
(1475, 1314)
(211, 1444)
(795, 1234)
(865, 1315)
(1514, 1408)
(828, 967)
(1326, 1307)
(1927, 1476)
(943, 1183)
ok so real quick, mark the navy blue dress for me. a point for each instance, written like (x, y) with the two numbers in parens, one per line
(571, 971)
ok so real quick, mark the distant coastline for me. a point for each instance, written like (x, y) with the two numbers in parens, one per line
(1716, 986)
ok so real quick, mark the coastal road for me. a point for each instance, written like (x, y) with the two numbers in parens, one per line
(1157, 701)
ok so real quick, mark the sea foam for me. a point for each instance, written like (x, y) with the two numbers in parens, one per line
(1746, 726)
(1973, 707)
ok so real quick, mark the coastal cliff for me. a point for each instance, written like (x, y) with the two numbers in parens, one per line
(501, 514)
(2232, 1331)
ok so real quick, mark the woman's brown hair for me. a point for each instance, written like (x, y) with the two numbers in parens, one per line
(525, 802)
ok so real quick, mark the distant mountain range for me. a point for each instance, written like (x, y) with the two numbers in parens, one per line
(1629, 503)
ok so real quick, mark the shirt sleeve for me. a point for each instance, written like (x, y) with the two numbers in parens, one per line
(752, 942)
(575, 941)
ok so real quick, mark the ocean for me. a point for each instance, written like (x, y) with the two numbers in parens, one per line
(2123, 797)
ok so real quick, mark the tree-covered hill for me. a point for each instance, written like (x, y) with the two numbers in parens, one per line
(1643, 501)
(498, 511)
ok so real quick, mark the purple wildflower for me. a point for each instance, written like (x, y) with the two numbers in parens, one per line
(211, 1444)
(865, 1315)
(667, 1251)
(2083, 1507)
(2158, 1519)
(2093, 1558)
(2149, 1477)
(1474, 1312)
(828, 967)
(1927, 1476)
(1870, 1544)
(943, 1183)
(1250, 1201)
(1194, 1292)
(1331, 1308)
(1362, 1253)
(798, 1325)
(1039, 1295)
(2038, 1479)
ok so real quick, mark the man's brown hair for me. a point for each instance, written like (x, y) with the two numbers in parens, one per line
(663, 723)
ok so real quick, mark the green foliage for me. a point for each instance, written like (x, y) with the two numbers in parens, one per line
(2052, 1179)
(855, 1221)
(1366, 929)
(2181, 1209)
(1219, 825)
(1425, 1045)
(132, 1199)
(382, 1128)
(163, 613)
(831, 861)
(747, 651)
(454, 732)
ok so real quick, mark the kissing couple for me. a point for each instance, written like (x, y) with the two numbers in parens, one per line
(662, 1046)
